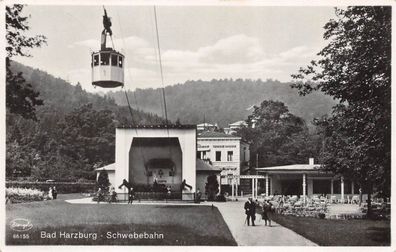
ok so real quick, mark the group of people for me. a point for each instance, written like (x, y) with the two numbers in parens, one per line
(52, 192)
(265, 207)
(112, 195)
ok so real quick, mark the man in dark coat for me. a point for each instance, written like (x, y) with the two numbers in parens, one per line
(250, 211)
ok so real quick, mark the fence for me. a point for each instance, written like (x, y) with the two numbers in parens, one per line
(61, 187)
(160, 196)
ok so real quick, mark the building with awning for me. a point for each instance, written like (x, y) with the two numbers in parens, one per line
(304, 180)
(225, 152)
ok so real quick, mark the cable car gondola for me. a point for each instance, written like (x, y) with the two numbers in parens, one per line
(107, 64)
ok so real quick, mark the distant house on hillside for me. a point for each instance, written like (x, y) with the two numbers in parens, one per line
(207, 126)
(233, 127)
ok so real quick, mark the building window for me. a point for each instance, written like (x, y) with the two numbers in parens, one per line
(201, 154)
(229, 155)
(218, 155)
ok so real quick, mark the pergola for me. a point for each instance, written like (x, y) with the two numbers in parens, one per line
(306, 173)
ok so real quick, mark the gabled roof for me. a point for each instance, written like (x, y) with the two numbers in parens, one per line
(204, 166)
(110, 167)
(205, 125)
(238, 123)
(210, 134)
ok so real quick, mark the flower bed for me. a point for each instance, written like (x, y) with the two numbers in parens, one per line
(19, 195)
(300, 210)
(61, 187)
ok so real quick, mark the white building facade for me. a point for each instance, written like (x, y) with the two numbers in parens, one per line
(137, 148)
(226, 152)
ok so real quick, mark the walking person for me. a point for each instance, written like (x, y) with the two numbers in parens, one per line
(50, 195)
(267, 212)
(113, 195)
(54, 192)
(131, 195)
(250, 211)
(99, 194)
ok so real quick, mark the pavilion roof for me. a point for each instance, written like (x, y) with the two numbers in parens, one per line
(294, 167)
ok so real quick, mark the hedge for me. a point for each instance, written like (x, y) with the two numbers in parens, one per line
(18, 195)
(61, 187)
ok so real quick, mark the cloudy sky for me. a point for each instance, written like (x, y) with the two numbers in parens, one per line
(197, 42)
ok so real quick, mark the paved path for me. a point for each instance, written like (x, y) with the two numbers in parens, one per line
(259, 235)
(234, 216)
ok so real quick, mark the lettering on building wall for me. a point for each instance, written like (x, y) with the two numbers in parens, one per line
(224, 146)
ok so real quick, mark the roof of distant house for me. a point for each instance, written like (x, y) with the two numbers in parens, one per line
(238, 123)
(213, 134)
(206, 125)
(110, 167)
(204, 166)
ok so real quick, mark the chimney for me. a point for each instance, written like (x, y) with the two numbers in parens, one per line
(311, 161)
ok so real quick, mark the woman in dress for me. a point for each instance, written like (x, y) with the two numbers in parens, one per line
(267, 212)
(50, 196)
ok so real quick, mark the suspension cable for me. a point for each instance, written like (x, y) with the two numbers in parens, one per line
(160, 64)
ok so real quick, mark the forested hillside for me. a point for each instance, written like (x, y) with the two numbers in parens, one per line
(226, 100)
(74, 132)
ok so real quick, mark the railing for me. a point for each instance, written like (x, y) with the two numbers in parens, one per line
(161, 196)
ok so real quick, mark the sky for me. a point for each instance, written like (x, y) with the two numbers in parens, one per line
(196, 42)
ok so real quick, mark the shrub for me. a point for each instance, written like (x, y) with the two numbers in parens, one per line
(220, 198)
(103, 181)
(18, 195)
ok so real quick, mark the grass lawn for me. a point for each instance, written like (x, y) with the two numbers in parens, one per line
(179, 225)
(339, 232)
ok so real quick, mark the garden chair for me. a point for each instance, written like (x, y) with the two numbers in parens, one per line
(355, 199)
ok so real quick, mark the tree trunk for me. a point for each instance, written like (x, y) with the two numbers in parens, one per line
(369, 191)
(360, 195)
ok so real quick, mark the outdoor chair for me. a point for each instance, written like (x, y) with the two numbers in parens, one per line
(333, 199)
(355, 199)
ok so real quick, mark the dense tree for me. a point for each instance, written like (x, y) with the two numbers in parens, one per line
(277, 136)
(355, 68)
(21, 98)
(103, 181)
(212, 187)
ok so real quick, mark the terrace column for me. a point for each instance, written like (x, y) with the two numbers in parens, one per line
(219, 179)
(256, 187)
(266, 185)
(342, 189)
(253, 188)
(232, 188)
(353, 187)
(236, 186)
(332, 187)
(304, 185)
